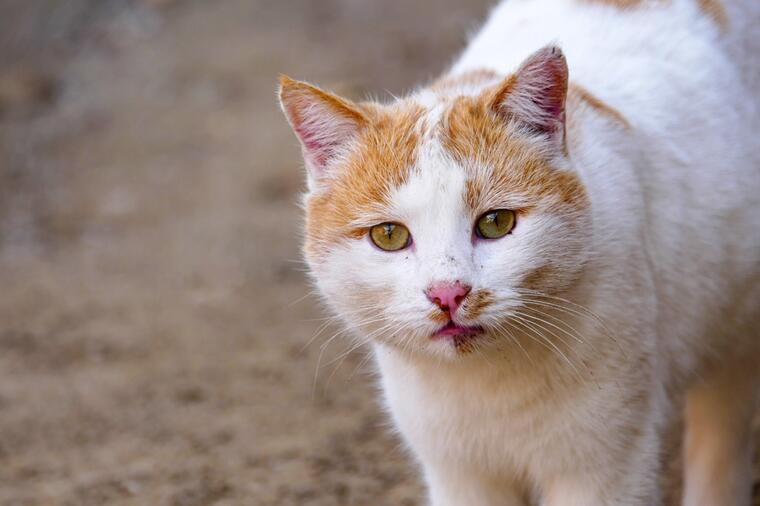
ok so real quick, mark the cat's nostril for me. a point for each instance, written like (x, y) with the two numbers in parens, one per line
(448, 296)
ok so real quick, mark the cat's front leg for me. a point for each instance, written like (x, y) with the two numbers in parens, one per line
(455, 486)
(623, 485)
(619, 467)
(718, 449)
(590, 490)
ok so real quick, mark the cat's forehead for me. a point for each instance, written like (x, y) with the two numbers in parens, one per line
(499, 162)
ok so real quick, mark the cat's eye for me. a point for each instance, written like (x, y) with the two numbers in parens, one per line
(495, 224)
(390, 236)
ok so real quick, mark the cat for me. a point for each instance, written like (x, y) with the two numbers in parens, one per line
(554, 251)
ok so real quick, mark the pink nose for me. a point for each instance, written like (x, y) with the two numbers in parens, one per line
(448, 296)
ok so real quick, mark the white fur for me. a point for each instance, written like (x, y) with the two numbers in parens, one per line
(670, 263)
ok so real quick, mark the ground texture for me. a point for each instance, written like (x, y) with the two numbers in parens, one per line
(154, 315)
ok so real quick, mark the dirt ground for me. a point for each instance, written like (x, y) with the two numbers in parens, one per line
(154, 313)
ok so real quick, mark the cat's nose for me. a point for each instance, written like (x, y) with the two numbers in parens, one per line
(448, 296)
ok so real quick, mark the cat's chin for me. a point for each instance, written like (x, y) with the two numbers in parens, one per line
(460, 337)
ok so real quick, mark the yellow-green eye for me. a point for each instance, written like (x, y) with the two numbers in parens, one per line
(390, 236)
(495, 224)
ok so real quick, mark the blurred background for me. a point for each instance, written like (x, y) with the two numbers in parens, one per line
(154, 312)
(153, 325)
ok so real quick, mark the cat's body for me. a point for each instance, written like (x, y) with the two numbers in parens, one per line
(628, 290)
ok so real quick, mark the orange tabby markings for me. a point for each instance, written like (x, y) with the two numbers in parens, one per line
(385, 154)
(438, 316)
(715, 10)
(537, 279)
(579, 96)
(464, 345)
(476, 302)
(499, 158)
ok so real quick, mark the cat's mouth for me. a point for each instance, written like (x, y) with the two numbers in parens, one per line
(456, 331)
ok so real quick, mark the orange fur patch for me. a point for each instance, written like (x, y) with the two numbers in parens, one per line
(537, 279)
(579, 97)
(715, 10)
(464, 345)
(496, 158)
(475, 303)
(438, 316)
(385, 153)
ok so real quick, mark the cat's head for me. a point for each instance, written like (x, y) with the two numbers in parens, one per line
(429, 221)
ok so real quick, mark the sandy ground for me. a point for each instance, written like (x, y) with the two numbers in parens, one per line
(153, 330)
(154, 314)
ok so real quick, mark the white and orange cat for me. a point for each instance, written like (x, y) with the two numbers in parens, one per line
(555, 251)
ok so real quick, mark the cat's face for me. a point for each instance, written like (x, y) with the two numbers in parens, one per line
(431, 221)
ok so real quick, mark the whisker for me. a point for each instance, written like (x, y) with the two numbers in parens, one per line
(582, 311)
(322, 349)
(361, 342)
(343, 356)
(327, 322)
(362, 363)
(304, 297)
(580, 307)
(549, 343)
(539, 319)
(513, 339)
(318, 332)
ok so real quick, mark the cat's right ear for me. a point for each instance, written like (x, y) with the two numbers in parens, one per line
(324, 123)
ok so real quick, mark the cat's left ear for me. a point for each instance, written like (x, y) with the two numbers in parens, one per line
(323, 122)
(534, 96)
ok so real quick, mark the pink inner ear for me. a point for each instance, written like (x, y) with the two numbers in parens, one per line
(536, 96)
(321, 142)
(550, 80)
(324, 123)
